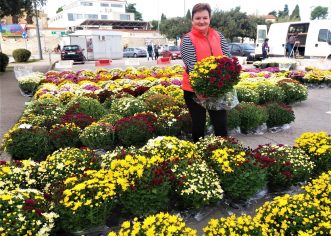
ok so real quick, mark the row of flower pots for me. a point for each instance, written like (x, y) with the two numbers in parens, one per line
(76, 190)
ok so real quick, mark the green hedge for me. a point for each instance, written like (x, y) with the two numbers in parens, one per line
(4, 60)
(21, 55)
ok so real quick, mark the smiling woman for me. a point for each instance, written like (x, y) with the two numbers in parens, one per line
(202, 42)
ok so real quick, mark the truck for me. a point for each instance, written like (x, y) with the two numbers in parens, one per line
(313, 39)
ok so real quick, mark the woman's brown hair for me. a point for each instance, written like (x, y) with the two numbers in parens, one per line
(201, 7)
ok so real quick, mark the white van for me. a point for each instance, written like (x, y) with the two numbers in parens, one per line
(313, 38)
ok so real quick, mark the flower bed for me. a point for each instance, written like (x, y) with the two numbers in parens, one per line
(90, 188)
(67, 103)
(84, 189)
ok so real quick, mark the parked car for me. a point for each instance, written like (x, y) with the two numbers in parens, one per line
(73, 52)
(243, 50)
(172, 51)
(134, 52)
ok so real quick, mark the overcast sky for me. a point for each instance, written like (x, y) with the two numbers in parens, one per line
(152, 9)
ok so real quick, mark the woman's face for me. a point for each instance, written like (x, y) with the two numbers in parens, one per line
(201, 21)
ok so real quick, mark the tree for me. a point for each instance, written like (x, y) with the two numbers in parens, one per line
(233, 23)
(163, 17)
(286, 11)
(253, 22)
(319, 12)
(283, 16)
(188, 15)
(273, 13)
(131, 8)
(59, 9)
(174, 27)
(295, 16)
(17, 8)
(155, 24)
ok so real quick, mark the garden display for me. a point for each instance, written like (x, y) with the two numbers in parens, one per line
(110, 152)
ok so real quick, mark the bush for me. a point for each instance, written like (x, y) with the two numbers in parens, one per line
(79, 119)
(198, 184)
(65, 163)
(279, 114)
(247, 95)
(159, 224)
(50, 109)
(4, 60)
(233, 120)
(65, 135)
(98, 135)
(251, 116)
(170, 148)
(240, 177)
(270, 93)
(30, 206)
(46, 107)
(294, 92)
(285, 165)
(26, 141)
(151, 192)
(37, 120)
(318, 147)
(167, 124)
(21, 55)
(87, 106)
(87, 201)
(127, 106)
(133, 130)
(110, 118)
(156, 103)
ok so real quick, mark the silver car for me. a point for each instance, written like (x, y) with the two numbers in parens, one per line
(134, 52)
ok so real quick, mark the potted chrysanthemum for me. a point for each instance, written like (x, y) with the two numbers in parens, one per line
(213, 79)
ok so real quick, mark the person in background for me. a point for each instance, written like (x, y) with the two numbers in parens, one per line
(150, 51)
(265, 49)
(290, 45)
(201, 42)
(156, 51)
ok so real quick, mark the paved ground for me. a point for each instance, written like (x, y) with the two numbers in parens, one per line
(312, 115)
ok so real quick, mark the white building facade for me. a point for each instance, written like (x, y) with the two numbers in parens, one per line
(77, 11)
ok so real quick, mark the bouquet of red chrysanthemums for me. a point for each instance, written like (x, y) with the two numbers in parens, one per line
(213, 78)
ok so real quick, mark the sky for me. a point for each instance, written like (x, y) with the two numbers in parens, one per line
(152, 9)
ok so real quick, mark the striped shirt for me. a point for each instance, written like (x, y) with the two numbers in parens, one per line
(188, 51)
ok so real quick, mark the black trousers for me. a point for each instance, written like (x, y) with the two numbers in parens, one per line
(198, 114)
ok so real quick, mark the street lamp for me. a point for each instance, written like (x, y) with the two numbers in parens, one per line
(37, 28)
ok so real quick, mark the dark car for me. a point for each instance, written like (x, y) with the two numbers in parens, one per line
(243, 50)
(72, 52)
(134, 52)
(172, 51)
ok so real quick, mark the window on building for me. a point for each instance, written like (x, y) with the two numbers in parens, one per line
(70, 17)
(116, 5)
(104, 17)
(79, 16)
(86, 4)
(91, 16)
(124, 17)
(104, 4)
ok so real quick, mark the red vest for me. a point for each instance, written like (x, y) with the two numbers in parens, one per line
(204, 46)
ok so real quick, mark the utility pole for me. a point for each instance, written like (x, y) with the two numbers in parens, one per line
(37, 28)
(184, 8)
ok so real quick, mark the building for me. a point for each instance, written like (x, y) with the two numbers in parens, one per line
(270, 18)
(78, 11)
